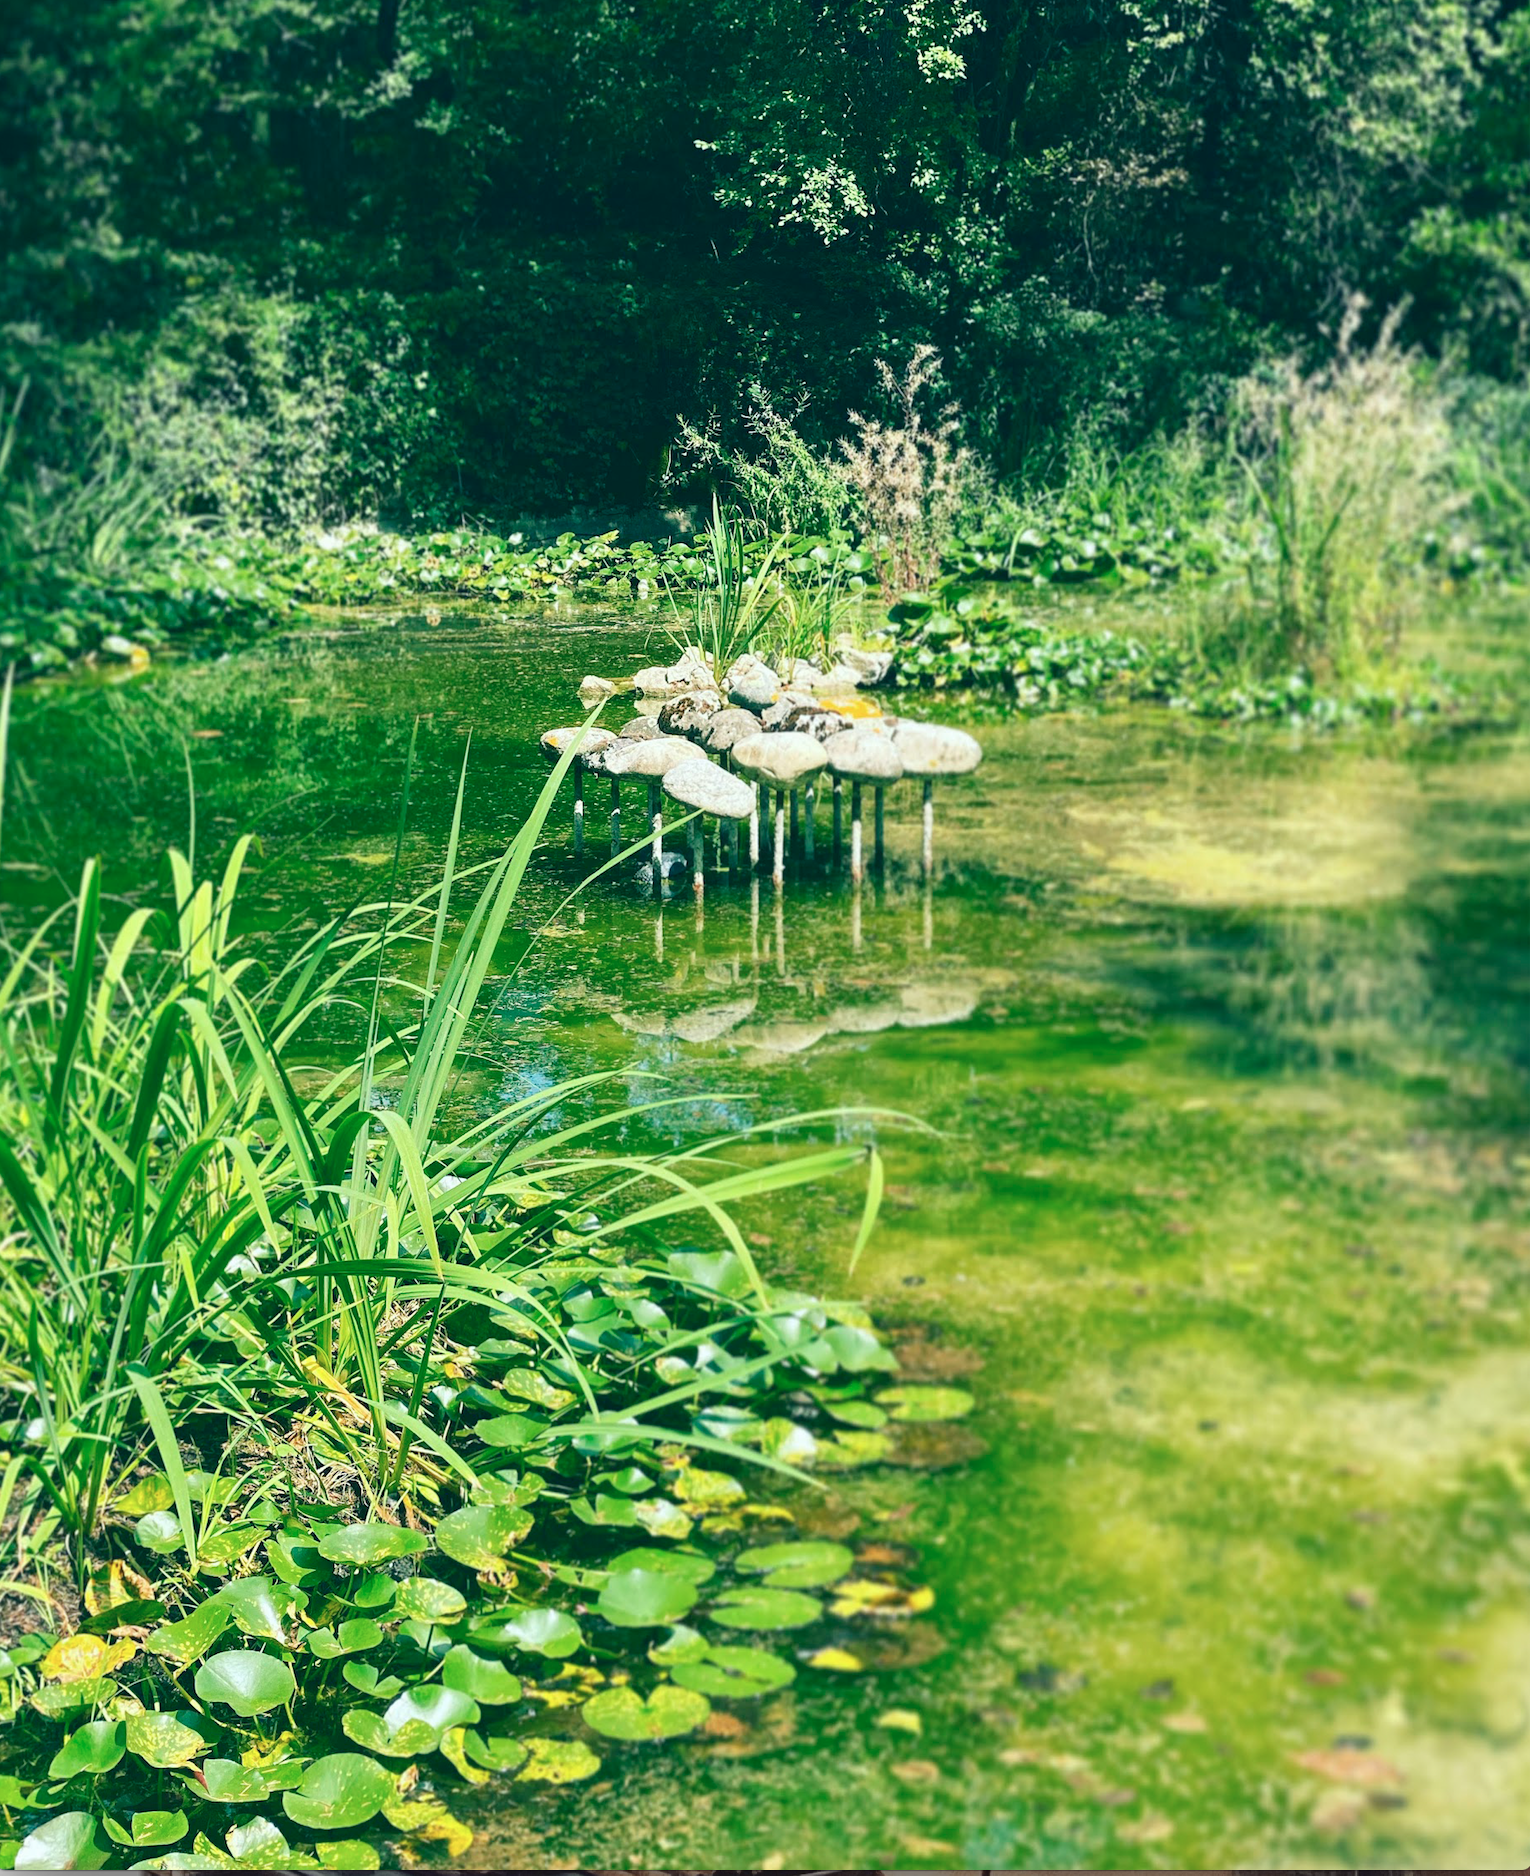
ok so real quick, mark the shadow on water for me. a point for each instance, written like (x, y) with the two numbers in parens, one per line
(1221, 1042)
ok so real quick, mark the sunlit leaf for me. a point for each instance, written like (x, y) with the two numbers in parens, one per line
(622, 1713)
(735, 1673)
(339, 1792)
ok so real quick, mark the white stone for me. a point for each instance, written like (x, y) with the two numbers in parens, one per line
(936, 749)
(654, 756)
(865, 754)
(687, 715)
(780, 758)
(728, 727)
(594, 690)
(702, 784)
(591, 743)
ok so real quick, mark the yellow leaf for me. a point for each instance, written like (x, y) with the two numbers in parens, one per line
(921, 1599)
(901, 1720)
(839, 1660)
(85, 1658)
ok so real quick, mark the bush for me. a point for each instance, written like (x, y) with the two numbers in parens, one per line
(1345, 465)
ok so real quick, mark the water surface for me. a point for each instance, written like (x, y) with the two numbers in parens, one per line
(1220, 1037)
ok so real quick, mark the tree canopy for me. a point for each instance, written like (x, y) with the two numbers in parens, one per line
(331, 254)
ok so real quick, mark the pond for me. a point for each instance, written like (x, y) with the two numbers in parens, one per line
(1218, 1040)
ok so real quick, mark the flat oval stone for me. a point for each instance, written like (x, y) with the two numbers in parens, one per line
(654, 756)
(690, 714)
(865, 754)
(638, 730)
(591, 742)
(782, 757)
(702, 784)
(727, 728)
(934, 749)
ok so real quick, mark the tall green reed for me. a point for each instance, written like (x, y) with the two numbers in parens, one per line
(205, 1214)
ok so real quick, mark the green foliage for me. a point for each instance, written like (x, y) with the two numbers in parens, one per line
(322, 257)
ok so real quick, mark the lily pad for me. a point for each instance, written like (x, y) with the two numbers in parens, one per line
(510, 1432)
(686, 1564)
(478, 1536)
(722, 1272)
(926, 1403)
(229, 1782)
(187, 1641)
(622, 1713)
(150, 1829)
(371, 1592)
(349, 1853)
(149, 1494)
(233, 1540)
(549, 1632)
(169, 1740)
(424, 1599)
(69, 1841)
(638, 1598)
(735, 1673)
(708, 1491)
(95, 1748)
(369, 1544)
(414, 1722)
(353, 1637)
(858, 1350)
(499, 1752)
(260, 1845)
(797, 1566)
(246, 1680)
(766, 1608)
(260, 1607)
(363, 1676)
(557, 1762)
(480, 1677)
(680, 1644)
(851, 1449)
(159, 1531)
(338, 1792)
(857, 1413)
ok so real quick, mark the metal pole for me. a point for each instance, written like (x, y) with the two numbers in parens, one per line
(578, 806)
(855, 916)
(616, 815)
(794, 817)
(839, 790)
(810, 814)
(880, 849)
(656, 847)
(698, 859)
(754, 827)
(778, 857)
(856, 868)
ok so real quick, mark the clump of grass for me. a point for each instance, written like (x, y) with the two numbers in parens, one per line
(1345, 468)
(738, 593)
(910, 476)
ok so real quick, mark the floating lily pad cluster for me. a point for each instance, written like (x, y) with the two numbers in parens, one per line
(964, 639)
(316, 1687)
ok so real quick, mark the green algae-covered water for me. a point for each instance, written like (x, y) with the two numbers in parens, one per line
(1219, 1042)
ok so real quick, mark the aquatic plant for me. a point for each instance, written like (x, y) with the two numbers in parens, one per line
(280, 1322)
(737, 594)
(1345, 463)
